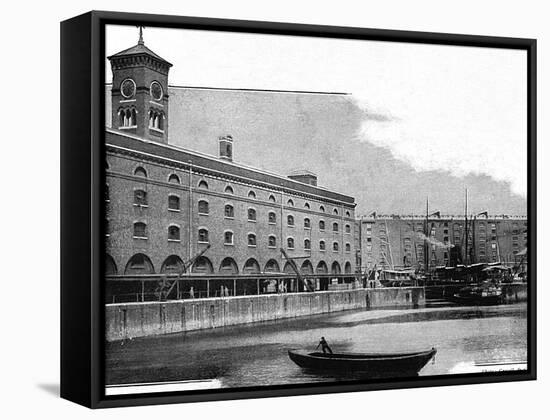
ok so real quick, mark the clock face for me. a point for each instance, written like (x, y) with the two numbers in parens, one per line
(128, 88)
(156, 91)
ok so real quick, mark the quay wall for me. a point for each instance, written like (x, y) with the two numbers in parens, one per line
(140, 319)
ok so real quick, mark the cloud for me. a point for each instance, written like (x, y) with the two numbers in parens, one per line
(467, 118)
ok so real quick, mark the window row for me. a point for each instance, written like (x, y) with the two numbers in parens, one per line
(156, 122)
(140, 232)
(140, 199)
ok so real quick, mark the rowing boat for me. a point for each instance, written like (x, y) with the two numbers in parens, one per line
(378, 364)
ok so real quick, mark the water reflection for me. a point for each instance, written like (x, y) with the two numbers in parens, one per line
(256, 354)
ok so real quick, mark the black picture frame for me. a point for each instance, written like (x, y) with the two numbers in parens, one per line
(82, 176)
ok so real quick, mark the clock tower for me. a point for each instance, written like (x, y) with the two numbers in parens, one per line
(139, 96)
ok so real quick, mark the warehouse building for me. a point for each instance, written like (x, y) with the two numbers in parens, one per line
(167, 204)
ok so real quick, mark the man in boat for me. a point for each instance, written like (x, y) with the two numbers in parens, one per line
(324, 346)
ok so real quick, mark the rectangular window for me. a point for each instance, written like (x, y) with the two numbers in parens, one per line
(203, 207)
(228, 211)
(203, 235)
(140, 197)
(251, 215)
(228, 238)
(140, 230)
(173, 233)
(173, 202)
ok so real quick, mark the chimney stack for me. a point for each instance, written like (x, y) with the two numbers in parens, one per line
(226, 147)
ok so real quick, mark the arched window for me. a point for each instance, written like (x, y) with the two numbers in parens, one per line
(127, 118)
(251, 215)
(203, 184)
(347, 267)
(202, 265)
(307, 223)
(110, 265)
(307, 244)
(272, 266)
(322, 245)
(321, 268)
(290, 243)
(271, 218)
(348, 248)
(335, 227)
(321, 225)
(272, 198)
(174, 179)
(173, 203)
(140, 230)
(139, 264)
(251, 239)
(203, 235)
(251, 266)
(348, 214)
(161, 121)
(322, 209)
(229, 190)
(251, 194)
(172, 264)
(335, 211)
(203, 207)
(140, 172)
(290, 220)
(306, 205)
(228, 237)
(348, 229)
(156, 119)
(271, 241)
(140, 197)
(173, 233)
(229, 211)
(306, 267)
(290, 203)
(335, 246)
(229, 266)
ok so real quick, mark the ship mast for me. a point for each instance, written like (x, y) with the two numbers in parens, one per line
(466, 228)
(426, 244)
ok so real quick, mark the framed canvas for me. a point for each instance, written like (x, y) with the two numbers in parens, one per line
(255, 209)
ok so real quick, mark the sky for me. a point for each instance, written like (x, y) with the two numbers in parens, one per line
(419, 120)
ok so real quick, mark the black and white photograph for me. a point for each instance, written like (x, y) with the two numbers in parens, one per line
(284, 210)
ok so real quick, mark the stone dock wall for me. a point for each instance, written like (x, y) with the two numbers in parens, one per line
(141, 319)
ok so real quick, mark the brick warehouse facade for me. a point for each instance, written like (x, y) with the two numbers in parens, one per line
(164, 204)
(400, 241)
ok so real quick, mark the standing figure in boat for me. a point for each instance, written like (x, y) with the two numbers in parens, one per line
(324, 346)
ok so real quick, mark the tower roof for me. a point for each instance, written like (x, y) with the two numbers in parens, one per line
(138, 50)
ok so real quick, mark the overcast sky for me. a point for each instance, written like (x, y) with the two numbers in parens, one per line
(456, 111)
